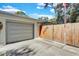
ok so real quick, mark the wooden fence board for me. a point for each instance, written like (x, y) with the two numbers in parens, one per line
(76, 34)
(47, 32)
(68, 34)
(56, 33)
(62, 33)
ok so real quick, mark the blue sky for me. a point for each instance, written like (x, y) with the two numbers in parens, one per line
(34, 10)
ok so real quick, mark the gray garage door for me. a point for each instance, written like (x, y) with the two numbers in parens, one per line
(19, 31)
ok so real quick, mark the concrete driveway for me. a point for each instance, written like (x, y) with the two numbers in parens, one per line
(38, 47)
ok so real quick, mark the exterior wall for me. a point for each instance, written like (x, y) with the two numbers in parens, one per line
(4, 18)
(16, 18)
(36, 30)
(3, 32)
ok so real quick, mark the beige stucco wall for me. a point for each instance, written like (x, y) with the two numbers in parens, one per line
(37, 29)
(3, 32)
(17, 18)
(4, 18)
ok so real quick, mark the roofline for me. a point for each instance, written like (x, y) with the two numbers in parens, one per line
(23, 16)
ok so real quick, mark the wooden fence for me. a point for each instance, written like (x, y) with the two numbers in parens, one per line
(68, 34)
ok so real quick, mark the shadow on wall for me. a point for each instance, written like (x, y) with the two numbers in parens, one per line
(1, 25)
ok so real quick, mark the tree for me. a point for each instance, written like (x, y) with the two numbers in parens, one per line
(20, 13)
(72, 12)
(58, 11)
(43, 18)
(53, 20)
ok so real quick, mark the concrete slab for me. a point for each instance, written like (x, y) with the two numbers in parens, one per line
(62, 46)
(38, 47)
(54, 43)
(71, 49)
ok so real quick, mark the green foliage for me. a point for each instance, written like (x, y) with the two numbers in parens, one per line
(72, 12)
(45, 19)
(20, 13)
(53, 20)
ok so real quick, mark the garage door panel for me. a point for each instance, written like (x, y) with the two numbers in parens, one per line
(18, 40)
(19, 31)
(20, 28)
(21, 37)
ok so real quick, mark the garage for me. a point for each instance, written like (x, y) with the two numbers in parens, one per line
(16, 28)
(19, 31)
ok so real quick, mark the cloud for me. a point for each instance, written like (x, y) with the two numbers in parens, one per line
(49, 5)
(36, 15)
(49, 16)
(38, 7)
(41, 4)
(10, 9)
(52, 10)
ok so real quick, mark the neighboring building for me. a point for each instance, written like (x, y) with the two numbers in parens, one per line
(15, 28)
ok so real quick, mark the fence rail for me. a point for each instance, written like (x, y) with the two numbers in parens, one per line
(68, 34)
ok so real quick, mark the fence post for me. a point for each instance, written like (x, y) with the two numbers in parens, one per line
(64, 4)
(53, 32)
